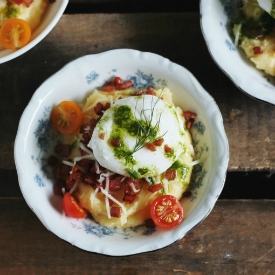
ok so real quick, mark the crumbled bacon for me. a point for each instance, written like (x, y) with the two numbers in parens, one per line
(258, 50)
(116, 211)
(158, 142)
(171, 174)
(190, 118)
(151, 147)
(155, 187)
(115, 142)
(102, 136)
(129, 198)
(167, 149)
(150, 91)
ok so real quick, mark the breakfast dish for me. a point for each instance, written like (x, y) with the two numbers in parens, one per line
(36, 141)
(128, 147)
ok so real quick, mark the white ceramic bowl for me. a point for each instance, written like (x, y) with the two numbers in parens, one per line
(50, 18)
(36, 138)
(215, 15)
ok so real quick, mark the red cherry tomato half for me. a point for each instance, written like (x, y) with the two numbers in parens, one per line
(167, 212)
(72, 208)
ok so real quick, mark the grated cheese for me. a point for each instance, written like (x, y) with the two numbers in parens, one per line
(195, 162)
(133, 187)
(84, 148)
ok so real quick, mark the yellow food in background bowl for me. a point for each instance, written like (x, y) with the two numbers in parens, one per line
(29, 12)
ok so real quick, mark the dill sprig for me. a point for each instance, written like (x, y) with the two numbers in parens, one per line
(146, 131)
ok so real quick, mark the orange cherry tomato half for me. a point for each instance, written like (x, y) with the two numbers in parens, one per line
(167, 212)
(72, 208)
(66, 117)
(15, 33)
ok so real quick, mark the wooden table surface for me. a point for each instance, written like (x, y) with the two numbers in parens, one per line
(238, 237)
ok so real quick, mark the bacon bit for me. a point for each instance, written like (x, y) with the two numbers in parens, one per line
(115, 184)
(155, 187)
(257, 50)
(151, 147)
(75, 174)
(126, 85)
(190, 117)
(110, 201)
(61, 170)
(116, 211)
(129, 198)
(167, 149)
(171, 174)
(102, 136)
(107, 106)
(189, 123)
(118, 80)
(115, 142)
(149, 223)
(150, 91)
(99, 109)
(158, 142)
(108, 88)
(132, 186)
(188, 114)
(91, 180)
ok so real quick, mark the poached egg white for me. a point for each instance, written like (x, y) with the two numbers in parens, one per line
(133, 122)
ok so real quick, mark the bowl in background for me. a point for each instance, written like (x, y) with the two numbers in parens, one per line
(215, 16)
(49, 19)
(36, 139)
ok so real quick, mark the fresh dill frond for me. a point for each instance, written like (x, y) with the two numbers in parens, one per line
(146, 131)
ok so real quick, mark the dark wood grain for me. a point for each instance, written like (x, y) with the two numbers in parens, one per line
(249, 124)
(236, 238)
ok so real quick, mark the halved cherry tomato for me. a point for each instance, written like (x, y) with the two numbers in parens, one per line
(71, 207)
(167, 212)
(66, 117)
(15, 33)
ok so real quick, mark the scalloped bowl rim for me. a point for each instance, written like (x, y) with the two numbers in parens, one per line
(138, 243)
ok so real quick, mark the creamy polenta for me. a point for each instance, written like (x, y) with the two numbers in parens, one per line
(99, 201)
(31, 14)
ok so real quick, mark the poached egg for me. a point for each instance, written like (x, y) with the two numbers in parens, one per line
(121, 137)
